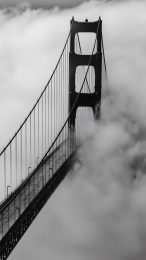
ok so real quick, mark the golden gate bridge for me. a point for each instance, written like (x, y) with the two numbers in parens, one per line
(43, 149)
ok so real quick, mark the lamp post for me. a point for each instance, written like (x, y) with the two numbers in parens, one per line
(8, 186)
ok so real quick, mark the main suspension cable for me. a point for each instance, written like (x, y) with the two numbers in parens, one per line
(105, 66)
(47, 84)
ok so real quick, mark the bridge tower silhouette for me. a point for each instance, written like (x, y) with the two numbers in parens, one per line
(95, 60)
(41, 152)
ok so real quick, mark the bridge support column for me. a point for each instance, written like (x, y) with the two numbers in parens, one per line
(84, 99)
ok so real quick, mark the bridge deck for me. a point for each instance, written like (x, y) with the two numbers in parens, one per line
(15, 205)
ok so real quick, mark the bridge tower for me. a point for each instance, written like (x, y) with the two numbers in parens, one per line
(85, 99)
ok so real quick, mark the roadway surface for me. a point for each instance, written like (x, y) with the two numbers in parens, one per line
(16, 204)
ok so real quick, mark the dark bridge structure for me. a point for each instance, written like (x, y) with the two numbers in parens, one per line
(42, 151)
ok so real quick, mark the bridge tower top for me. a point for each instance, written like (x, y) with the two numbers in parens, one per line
(85, 27)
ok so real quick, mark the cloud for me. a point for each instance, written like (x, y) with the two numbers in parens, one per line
(37, 4)
(98, 212)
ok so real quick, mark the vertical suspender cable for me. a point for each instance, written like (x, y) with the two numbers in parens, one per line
(48, 111)
(5, 182)
(38, 132)
(45, 121)
(11, 166)
(21, 151)
(25, 148)
(34, 138)
(42, 128)
(30, 140)
(16, 157)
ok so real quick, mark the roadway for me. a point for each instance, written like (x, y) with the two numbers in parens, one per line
(18, 201)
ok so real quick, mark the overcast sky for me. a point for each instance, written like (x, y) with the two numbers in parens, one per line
(45, 3)
(98, 212)
(42, 3)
